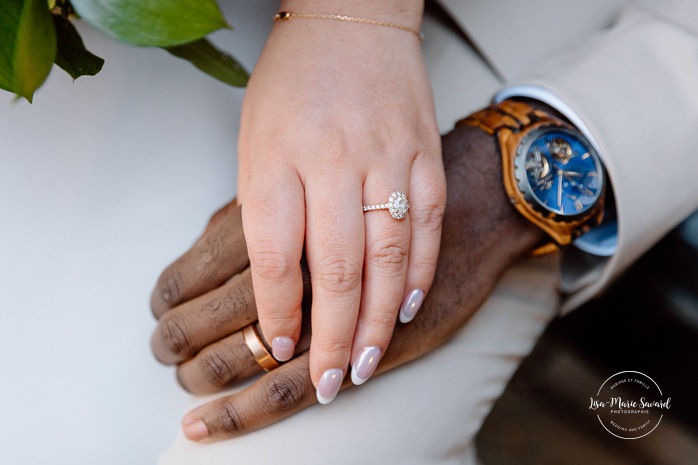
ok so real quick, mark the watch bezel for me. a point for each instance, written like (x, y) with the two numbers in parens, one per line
(525, 187)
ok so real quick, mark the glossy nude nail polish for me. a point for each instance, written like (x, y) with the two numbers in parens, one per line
(365, 364)
(411, 305)
(282, 348)
(329, 385)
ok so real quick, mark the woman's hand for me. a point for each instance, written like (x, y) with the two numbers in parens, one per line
(338, 115)
(204, 299)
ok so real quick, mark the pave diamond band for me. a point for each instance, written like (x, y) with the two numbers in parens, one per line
(397, 205)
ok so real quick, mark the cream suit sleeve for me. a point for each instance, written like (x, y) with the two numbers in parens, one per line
(634, 86)
(636, 89)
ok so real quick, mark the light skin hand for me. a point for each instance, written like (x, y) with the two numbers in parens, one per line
(482, 236)
(338, 115)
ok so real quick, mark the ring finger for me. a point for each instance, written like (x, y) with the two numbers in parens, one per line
(232, 359)
(186, 329)
(385, 272)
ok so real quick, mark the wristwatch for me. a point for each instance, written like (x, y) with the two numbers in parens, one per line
(552, 174)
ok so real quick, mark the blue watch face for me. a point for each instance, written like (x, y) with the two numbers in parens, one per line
(563, 171)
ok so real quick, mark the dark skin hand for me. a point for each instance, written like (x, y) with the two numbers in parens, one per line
(205, 298)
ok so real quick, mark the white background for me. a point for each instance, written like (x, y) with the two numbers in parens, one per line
(103, 182)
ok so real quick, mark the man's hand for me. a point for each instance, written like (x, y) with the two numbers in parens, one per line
(205, 298)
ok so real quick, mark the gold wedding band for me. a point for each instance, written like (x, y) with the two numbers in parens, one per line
(259, 351)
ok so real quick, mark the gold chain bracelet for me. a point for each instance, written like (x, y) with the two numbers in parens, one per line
(285, 16)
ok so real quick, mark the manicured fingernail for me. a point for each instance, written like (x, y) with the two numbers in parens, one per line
(410, 306)
(329, 385)
(195, 431)
(282, 348)
(365, 364)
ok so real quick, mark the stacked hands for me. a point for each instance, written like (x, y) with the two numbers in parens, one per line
(205, 299)
(332, 122)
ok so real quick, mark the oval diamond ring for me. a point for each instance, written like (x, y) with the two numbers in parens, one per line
(397, 205)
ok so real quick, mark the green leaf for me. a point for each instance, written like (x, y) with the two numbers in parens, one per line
(27, 45)
(212, 61)
(72, 56)
(155, 23)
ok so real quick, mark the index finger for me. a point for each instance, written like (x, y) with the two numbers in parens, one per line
(219, 254)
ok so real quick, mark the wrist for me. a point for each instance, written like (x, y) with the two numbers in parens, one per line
(477, 198)
(551, 173)
(406, 12)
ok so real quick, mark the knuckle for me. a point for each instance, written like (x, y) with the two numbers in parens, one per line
(286, 392)
(216, 370)
(173, 336)
(280, 319)
(336, 151)
(428, 212)
(381, 321)
(424, 266)
(387, 255)
(270, 264)
(429, 215)
(229, 418)
(335, 275)
(427, 130)
(222, 214)
(333, 345)
(207, 258)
